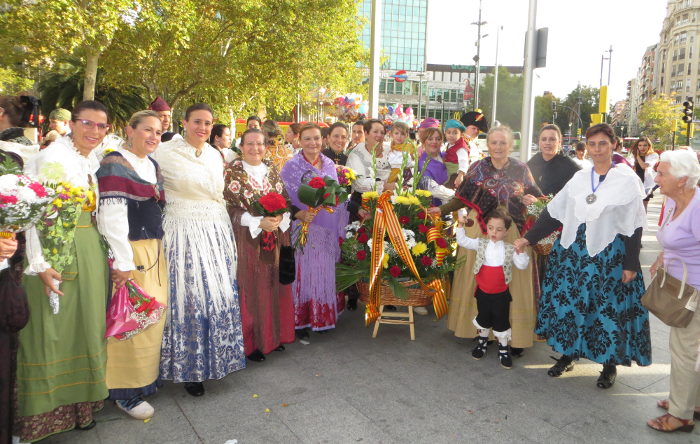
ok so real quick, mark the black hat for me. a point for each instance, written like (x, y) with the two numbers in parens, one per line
(477, 119)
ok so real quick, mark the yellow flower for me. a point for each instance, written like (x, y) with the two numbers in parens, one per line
(54, 251)
(423, 193)
(413, 200)
(419, 249)
(370, 195)
(403, 200)
(58, 203)
(385, 261)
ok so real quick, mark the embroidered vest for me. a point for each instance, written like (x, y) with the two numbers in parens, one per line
(507, 261)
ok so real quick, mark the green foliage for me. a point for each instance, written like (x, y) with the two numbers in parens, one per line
(584, 99)
(510, 98)
(12, 83)
(543, 111)
(656, 119)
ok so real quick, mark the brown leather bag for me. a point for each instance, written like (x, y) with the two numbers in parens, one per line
(670, 299)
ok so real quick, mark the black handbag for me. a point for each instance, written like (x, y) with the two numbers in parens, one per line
(287, 265)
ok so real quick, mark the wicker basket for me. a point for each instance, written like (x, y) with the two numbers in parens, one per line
(416, 296)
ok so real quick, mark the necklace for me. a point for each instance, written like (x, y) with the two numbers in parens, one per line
(591, 198)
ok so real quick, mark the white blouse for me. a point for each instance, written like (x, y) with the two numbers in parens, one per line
(360, 161)
(59, 161)
(257, 174)
(113, 217)
(495, 254)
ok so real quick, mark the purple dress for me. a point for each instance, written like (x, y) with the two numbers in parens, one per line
(680, 239)
(316, 303)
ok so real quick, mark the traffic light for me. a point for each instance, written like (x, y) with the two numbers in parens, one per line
(688, 110)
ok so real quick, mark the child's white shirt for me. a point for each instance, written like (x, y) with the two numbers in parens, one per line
(395, 159)
(495, 251)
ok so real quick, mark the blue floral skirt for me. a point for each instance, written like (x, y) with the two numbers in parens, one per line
(585, 310)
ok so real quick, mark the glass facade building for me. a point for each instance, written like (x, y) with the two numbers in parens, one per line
(404, 24)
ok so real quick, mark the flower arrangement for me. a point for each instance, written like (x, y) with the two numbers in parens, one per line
(271, 204)
(346, 176)
(23, 200)
(319, 193)
(131, 311)
(534, 210)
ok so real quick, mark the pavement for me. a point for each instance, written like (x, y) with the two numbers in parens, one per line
(347, 387)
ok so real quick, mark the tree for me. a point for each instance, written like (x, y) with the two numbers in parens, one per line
(50, 29)
(543, 111)
(12, 83)
(510, 98)
(656, 119)
(584, 100)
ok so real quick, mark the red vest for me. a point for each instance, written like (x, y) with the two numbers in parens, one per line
(451, 153)
(491, 279)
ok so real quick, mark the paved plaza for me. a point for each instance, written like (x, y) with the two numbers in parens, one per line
(347, 387)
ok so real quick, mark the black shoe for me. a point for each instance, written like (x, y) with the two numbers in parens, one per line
(194, 388)
(390, 307)
(480, 350)
(87, 426)
(303, 333)
(352, 304)
(607, 377)
(256, 356)
(516, 352)
(280, 348)
(504, 356)
(564, 364)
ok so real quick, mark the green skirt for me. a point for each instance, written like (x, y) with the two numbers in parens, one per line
(62, 357)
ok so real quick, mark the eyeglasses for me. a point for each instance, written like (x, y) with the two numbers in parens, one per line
(89, 124)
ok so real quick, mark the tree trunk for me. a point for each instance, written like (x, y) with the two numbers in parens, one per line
(90, 75)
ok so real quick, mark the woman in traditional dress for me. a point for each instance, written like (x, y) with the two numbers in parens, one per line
(267, 310)
(130, 219)
(62, 357)
(370, 177)
(316, 303)
(435, 173)
(497, 180)
(590, 305)
(202, 337)
(550, 168)
(645, 159)
(337, 141)
(221, 139)
(14, 314)
(277, 150)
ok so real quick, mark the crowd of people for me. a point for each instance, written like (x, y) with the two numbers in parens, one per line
(177, 215)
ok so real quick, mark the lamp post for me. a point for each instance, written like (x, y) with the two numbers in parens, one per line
(476, 58)
(495, 80)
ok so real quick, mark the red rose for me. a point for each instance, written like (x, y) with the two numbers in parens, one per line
(273, 202)
(404, 220)
(426, 261)
(362, 230)
(362, 238)
(361, 255)
(422, 228)
(317, 182)
(341, 241)
(421, 215)
(395, 271)
(441, 242)
(7, 199)
(38, 189)
(325, 195)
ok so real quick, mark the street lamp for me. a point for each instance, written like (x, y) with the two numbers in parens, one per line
(476, 58)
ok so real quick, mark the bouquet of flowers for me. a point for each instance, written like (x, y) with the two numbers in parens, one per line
(57, 229)
(319, 193)
(544, 246)
(23, 200)
(346, 176)
(270, 205)
(131, 311)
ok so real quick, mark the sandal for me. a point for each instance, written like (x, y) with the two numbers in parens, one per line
(663, 404)
(662, 424)
(564, 364)
(607, 377)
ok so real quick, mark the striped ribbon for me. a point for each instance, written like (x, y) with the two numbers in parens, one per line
(385, 221)
(303, 234)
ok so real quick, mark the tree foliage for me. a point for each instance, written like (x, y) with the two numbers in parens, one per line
(582, 99)
(656, 119)
(510, 98)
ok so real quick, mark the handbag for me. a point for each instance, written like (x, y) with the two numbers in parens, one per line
(671, 300)
(287, 265)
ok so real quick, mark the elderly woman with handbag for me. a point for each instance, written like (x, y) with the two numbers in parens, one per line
(679, 236)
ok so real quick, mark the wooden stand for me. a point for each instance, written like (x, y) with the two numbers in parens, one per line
(397, 318)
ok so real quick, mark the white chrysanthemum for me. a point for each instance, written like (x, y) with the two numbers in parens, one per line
(7, 182)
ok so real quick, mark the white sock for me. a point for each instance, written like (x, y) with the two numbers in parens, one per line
(502, 341)
(484, 332)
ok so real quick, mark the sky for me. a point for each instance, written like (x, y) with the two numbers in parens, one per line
(580, 32)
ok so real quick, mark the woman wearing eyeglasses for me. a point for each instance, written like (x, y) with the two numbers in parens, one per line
(62, 357)
(203, 336)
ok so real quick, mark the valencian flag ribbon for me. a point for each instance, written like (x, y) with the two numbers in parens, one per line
(385, 221)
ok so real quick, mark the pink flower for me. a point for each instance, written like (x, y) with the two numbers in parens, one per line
(6, 199)
(234, 186)
(38, 189)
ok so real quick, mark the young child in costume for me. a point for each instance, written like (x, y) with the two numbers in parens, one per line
(457, 153)
(493, 270)
(399, 145)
